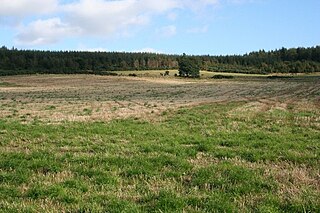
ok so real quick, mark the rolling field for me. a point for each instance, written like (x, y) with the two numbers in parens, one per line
(84, 143)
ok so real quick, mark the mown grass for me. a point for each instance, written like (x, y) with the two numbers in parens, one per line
(209, 74)
(210, 158)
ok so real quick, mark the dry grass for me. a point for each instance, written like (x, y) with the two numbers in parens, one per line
(58, 98)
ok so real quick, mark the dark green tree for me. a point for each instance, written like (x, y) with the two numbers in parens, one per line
(188, 67)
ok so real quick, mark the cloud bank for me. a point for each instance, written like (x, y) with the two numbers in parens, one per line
(53, 20)
(23, 8)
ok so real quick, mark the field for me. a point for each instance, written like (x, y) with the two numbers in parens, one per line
(204, 74)
(85, 143)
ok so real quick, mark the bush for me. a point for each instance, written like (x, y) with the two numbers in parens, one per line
(278, 77)
(222, 76)
(107, 73)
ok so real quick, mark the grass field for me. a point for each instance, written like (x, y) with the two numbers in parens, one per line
(203, 74)
(84, 143)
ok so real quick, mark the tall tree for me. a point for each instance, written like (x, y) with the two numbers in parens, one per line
(188, 67)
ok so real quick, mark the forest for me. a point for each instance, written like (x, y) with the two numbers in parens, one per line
(292, 60)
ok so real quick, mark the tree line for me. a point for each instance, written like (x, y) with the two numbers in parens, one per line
(293, 60)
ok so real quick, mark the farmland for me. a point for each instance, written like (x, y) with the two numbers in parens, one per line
(86, 143)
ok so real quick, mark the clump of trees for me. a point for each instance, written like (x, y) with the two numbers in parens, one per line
(293, 60)
(188, 67)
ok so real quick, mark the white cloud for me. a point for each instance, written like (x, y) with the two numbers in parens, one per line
(167, 31)
(99, 18)
(21, 8)
(45, 32)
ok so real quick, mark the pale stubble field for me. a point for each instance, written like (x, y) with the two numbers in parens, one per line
(55, 98)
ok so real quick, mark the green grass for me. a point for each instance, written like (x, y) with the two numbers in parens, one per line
(210, 158)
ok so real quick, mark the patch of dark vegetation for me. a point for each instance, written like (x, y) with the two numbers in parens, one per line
(133, 75)
(166, 73)
(106, 73)
(222, 77)
(279, 77)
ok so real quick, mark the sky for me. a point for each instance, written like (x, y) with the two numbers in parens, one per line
(198, 27)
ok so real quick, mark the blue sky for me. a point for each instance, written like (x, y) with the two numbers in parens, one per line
(215, 27)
